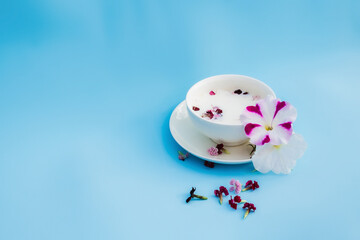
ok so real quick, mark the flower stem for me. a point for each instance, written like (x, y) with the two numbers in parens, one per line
(245, 189)
(221, 198)
(246, 213)
(253, 150)
(180, 153)
(200, 197)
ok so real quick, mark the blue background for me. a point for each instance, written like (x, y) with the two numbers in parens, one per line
(87, 88)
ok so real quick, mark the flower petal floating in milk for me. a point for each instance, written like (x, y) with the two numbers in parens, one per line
(230, 103)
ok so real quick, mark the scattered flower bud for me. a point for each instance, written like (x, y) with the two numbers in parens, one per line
(238, 91)
(218, 149)
(213, 151)
(251, 185)
(182, 156)
(248, 207)
(219, 193)
(208, 114)
(236, 186)
(232, 203)
(212, 93)
(192, 195)
(218, 111)
(209, 164)
(196, 108)
(237, 199)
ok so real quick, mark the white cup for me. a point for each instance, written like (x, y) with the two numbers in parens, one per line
(230, 134)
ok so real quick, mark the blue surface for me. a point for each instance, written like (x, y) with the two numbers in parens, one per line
(87, 89)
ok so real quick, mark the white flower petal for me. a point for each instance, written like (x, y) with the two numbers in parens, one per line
(267, 107)
(257, 135)
(263, 158)
(295, 147)
(280, 135)
(279, 159)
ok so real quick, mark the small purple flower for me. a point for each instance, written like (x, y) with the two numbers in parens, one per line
(236, 186)
(182, 156)
(213, 151)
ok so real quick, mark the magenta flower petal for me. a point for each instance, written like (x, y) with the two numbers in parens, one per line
(231, 189)
(255, 109)
(258, 135)
(286, 114)
(279, 106)
(249, 127)
(232, 181)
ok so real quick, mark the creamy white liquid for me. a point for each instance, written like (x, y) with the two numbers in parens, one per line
(231, 104)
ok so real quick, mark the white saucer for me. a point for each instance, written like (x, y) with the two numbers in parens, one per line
(197, 144)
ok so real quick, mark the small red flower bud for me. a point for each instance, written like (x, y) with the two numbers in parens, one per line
(224, 190)
(237, 199)
(249, 206)
(248, 183)
(251, 185)
(232, 203)
(220, 146)
(219, 193)
(255, 185)
(209, 164)
(209, 114)
(238, 91)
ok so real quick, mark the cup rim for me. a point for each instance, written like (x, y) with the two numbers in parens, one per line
(224, 75)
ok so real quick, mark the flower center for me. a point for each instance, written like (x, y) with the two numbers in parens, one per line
(277, 146)
(268, 128)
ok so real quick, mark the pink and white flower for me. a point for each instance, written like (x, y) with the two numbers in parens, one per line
(269, 121)
(279, 158)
